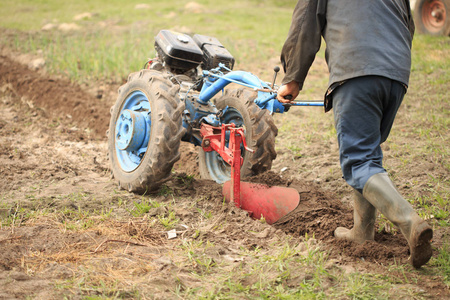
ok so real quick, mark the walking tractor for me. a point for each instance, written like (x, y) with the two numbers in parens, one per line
(171, 100)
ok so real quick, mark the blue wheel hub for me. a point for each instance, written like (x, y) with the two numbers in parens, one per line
(132, 131)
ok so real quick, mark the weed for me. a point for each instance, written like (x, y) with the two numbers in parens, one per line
(364, 287)
(442, 262)
(141, 208)
(78, 219)
(169, 221)
(165, 191)
(385, 225)
(144, 206)
(104, 214)
(121, 202)
(187, 180)
(205, 214)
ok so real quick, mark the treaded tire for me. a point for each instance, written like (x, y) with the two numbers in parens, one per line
(166, 131)
(260, 133)
(426, 23)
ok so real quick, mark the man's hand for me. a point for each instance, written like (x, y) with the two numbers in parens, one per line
(291, 88)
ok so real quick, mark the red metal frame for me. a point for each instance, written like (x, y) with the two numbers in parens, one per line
(214, 140)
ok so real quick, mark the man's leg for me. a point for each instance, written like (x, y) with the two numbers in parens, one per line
(358, 112)
(364, 110)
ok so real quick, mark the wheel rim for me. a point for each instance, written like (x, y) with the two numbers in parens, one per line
(218, 169)
(434, 15)
(132, 131)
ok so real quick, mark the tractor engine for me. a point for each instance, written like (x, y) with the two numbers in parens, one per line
(185, 56)
(182, 54)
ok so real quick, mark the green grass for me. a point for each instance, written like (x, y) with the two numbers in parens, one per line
(31, 15)
(144, 206)
(431, 55)
(299, 272)
(442, 262)
(115, 50)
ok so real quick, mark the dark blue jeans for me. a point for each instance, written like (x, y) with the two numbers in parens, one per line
(364, 111)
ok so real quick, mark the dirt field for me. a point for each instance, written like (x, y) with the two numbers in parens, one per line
(69, 232)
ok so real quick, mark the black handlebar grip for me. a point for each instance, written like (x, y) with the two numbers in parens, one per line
(287, 106)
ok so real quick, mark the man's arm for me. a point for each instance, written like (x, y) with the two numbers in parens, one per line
(303, 41)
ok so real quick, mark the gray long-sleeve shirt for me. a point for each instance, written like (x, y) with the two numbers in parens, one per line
(363, 37)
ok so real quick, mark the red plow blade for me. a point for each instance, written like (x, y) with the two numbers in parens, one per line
(260, 200)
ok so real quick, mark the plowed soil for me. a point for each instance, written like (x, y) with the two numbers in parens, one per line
(53, 158)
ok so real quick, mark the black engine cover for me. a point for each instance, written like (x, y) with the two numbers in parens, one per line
(178, 50)
(213, 52)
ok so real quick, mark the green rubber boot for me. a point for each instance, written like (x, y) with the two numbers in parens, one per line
(364, 215)
(381, 192)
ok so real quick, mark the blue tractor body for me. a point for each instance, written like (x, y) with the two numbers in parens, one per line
(191, 72)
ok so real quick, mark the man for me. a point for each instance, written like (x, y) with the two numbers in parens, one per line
(368, 52)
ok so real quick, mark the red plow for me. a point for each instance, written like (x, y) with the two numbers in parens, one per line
(259, 200)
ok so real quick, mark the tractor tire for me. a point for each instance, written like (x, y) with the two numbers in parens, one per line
(144, 165)
(260, 133)
(432, 17)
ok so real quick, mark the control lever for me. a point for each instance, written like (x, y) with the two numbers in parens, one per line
(276, 70)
